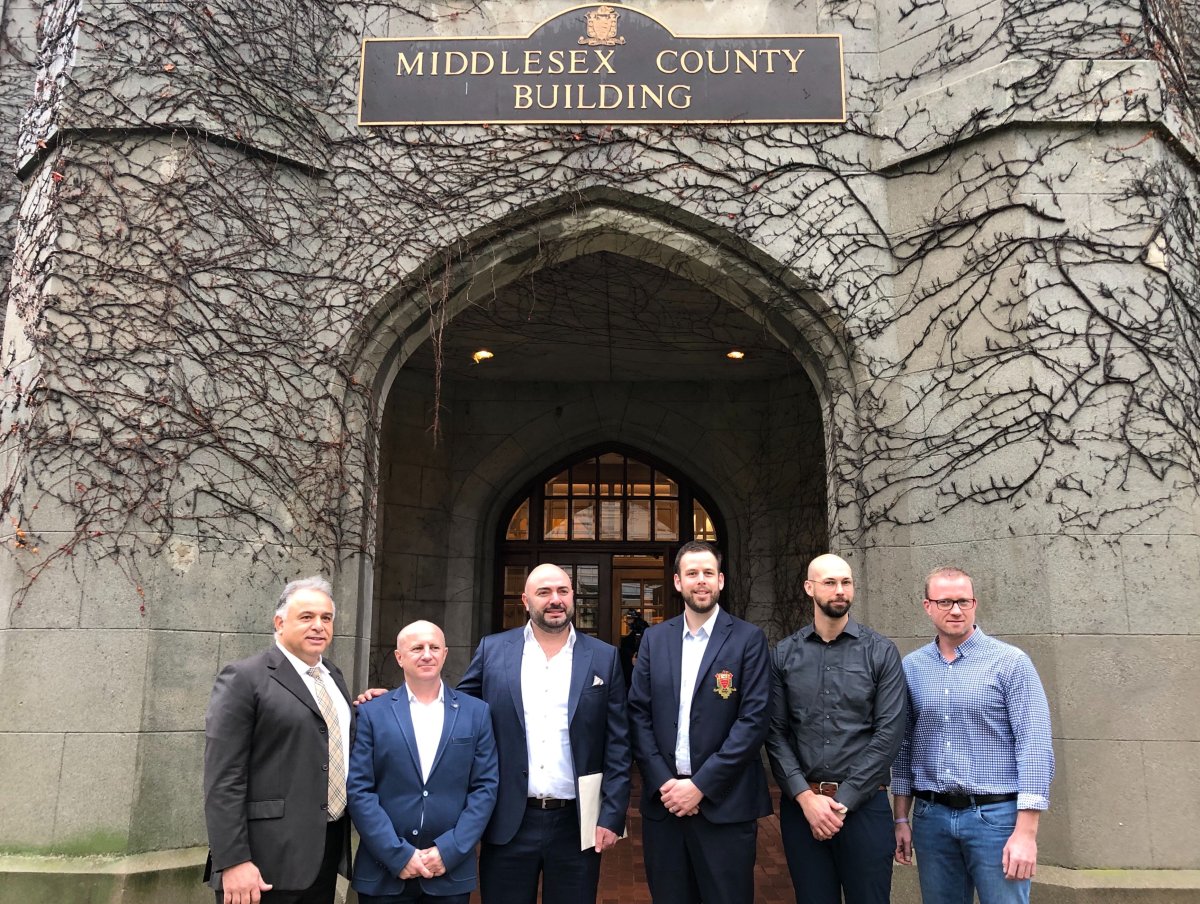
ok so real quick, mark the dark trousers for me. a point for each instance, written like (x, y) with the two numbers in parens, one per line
(691, 860)
(546, 846)
(856, 861)
(415, 896)
(325, 885)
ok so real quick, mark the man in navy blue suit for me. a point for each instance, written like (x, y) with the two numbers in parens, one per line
(422, 782)
(699, 710)
(558, 710)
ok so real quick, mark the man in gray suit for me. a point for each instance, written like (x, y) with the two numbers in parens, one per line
(277, 741)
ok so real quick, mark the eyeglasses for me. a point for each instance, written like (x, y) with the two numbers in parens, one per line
(947, 605)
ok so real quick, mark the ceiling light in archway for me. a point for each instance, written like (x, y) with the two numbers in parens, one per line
(482, 355)
(735, 354)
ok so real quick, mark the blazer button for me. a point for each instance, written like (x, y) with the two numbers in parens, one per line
(424, 793)
(324, 768)
(414, 831)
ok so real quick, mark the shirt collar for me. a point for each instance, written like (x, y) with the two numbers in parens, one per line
(706, 628)
(971, 645)
(441, 694)
(973, 642)
(529, 638)
(299, 664)
(853, 628)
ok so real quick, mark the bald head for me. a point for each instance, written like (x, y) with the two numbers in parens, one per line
(421, 653)
(420, 627)
(831, 586)
(549, 599)
(826, 563)
(547, 572)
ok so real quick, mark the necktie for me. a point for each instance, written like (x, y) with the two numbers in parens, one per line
(337, 762)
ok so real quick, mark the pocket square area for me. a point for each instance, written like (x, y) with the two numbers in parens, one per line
(597, 680)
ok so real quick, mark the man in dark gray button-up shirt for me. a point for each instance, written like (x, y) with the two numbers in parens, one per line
(838, 709)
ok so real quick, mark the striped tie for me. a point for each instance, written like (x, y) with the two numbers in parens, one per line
(337, 761)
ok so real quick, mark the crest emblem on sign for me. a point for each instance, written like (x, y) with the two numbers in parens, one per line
(602, 28)
(724, 684)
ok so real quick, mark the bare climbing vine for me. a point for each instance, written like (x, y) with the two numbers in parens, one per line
(204, 239)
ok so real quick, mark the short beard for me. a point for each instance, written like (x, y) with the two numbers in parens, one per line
(831, 610)
(540, 621)
(712, 602)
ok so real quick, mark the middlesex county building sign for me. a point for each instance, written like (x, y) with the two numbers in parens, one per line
(601, 64)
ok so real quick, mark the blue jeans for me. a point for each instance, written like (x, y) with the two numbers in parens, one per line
(962, 851)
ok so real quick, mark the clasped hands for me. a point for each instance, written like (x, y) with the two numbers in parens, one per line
(824, 814)
(681, 797)
(424, 864)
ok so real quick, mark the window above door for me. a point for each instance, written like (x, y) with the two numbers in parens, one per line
(611, 497)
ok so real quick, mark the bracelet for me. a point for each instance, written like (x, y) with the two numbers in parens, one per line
(903, 820)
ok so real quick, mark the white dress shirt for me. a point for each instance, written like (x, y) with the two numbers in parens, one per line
(428, 720)
(694, 646)
(545, 690)
(331, 688)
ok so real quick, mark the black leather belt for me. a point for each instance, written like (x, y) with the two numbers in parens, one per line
(547, 803)
(963, 801)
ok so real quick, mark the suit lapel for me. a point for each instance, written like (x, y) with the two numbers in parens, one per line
(581, 671)
(448, 720)
(404, 719)
(720, 633)
(675, 657)
(512, 671)
(283, 672)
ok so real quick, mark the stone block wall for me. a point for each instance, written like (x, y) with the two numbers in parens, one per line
(988, 274)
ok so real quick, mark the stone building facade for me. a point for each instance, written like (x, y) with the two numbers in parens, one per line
(238, 349)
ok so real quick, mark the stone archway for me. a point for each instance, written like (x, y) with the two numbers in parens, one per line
(648, 370)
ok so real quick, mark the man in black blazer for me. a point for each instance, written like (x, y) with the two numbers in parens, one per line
(277, 738)
(699, 710)
(558, 711)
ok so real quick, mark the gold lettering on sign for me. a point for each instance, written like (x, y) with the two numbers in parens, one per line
(793, 59)
(720, 62)
(712, 65)
(454, 63)
(602, 97)
(603, 64)
(406, 67)
(478, 56)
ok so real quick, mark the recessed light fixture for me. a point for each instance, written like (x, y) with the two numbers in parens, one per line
(482, 355)
(735, 354)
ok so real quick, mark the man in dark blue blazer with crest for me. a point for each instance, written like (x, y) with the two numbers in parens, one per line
(558, 709)
(422, 782)
(699, 710)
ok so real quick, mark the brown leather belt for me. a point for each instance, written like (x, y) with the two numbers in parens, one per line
(829, 789)
(547, 803)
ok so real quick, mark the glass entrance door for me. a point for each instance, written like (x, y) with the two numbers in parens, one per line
(640, 587)
(613, 522)
(607, 587)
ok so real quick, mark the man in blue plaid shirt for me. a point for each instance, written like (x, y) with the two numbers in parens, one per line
(976, 755)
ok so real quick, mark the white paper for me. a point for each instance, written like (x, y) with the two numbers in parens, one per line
(589, 808)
